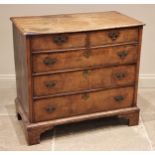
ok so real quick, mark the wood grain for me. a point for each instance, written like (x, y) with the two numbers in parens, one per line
(46, 42)
(83, 80)
(82, 104)
(73, 22)
(124, 35)
(76, 67)
(20, 56)
(84, 58)
(138, 65)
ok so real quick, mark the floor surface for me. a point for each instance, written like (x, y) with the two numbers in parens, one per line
(101, 134)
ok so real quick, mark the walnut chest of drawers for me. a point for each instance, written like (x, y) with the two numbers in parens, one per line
(75, 67)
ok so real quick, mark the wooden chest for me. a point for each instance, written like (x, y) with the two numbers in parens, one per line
(75, 67)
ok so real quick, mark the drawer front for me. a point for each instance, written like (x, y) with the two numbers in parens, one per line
(113, 36)
(57, 41)
(83, 58)
(84, 80)
(66, 106)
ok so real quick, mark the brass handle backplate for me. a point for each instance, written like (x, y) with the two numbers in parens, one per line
(86, 54)
(120, 75)
(122, 54)
(119, 98)
(85, 96)
(60, 39)
(50, 84)
(86, 73)
(50, 109)
(113, 35)
(50, 61)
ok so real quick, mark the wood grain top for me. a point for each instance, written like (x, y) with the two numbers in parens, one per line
(50, 24)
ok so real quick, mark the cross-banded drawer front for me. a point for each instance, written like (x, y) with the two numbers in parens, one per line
(84, 58)
(113, 36)
(71, 105)
(84, 80)
(57, 41)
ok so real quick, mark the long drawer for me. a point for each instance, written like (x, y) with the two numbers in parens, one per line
(84, 58)
(66, 106)
(84, 80)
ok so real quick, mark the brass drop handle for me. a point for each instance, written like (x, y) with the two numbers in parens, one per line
(60, 39)
(119, 98)
(120, 75)
(113, 35)
(50, 109)
(122, 54)
(49, 61)
(50, 84)
(85, 96)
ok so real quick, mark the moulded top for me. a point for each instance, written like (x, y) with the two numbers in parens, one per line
(33, 25)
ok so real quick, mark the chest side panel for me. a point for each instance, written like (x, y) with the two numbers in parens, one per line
(21, 69)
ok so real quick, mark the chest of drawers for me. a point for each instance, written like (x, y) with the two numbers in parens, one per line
(75, 67)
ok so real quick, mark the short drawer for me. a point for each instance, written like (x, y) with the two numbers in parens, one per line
(84, 80)
(66, 106)
(113, 36)
(57, 41)
(84, 58)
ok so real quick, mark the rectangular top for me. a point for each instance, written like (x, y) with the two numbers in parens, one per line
(73, 22)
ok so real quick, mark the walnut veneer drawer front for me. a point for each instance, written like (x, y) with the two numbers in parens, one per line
(75, 67)
(84, 80)
(113, 36)
(58, 41)
(86, 103)
(85, 58)
(75, 40)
